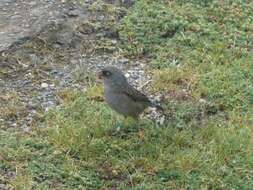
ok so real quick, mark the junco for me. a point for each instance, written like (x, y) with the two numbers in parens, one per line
(120, 95)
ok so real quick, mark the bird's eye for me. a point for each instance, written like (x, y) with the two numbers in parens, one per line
(106, 73)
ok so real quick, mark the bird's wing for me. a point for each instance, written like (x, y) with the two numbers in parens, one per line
(136, 95)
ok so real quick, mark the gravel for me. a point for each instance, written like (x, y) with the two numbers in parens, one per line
(31, 79)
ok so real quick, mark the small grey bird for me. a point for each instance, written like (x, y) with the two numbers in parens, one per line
(120, 95)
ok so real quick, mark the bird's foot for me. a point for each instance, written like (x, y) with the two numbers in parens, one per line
(119, 126)
(130, 125)
(116, 130)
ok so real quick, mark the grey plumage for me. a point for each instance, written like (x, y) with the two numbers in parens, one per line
(120, 95)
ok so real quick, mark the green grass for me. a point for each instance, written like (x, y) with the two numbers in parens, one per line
(201, 55)
(199, 50)
(188, 32)
(77, 151)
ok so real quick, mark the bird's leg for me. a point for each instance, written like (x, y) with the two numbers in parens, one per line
(130, 124)
(116, 129)
(120, 124)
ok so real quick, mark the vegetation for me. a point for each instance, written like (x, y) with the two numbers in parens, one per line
(201, 55)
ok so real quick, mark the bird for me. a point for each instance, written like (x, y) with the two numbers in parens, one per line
(121, 96)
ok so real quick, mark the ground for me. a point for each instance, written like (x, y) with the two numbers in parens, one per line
(194, 57)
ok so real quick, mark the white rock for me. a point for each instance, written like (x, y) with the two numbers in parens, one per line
(162, 120)
(203, 101)
(114, 42)
(14, 125)
(124, 61)
(44, 85)
(157, 98)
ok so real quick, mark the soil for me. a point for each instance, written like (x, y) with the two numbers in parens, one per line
(48, 46)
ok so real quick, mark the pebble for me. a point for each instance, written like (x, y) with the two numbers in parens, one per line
(74, 13)
(26, 129)
(203, 101)
(14, 125)
(31, 105)
(161, 120)
(74, 61)
(44, 85)
(114, 42)
(16, 17)
(127, 75)
(157, 98)
(124, 61)
(32, 3)
(135, 76)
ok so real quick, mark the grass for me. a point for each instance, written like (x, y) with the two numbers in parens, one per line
(201, 55)
(76, 151)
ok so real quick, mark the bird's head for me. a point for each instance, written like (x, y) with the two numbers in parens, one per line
(112, 76)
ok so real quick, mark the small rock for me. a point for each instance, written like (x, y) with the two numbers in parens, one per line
(88, 1)
(127, 75)
(161, 120)
(15, 17)
(44, 85)
(14, 125)
(26, 129)
(74, 13)
(203, 101)
(158, 98)
(114, 42)
(54, 71)
(32, 3)
(10, 174)
(135, 76)
(152, 109)
(28, 74)
(127, 3)
(33, 112)
(31, 105)
(123, 61)
(74, 61)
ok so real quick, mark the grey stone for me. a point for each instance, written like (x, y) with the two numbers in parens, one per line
(74, 13)
(16, 17)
